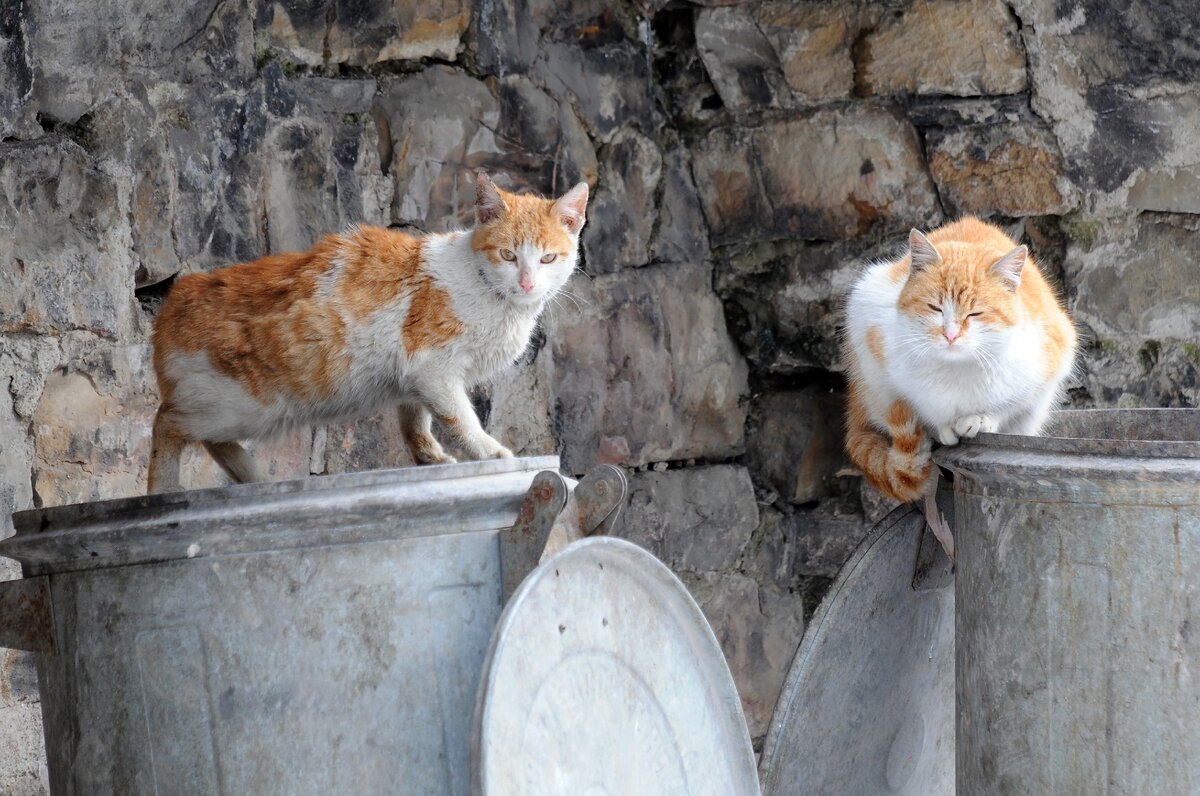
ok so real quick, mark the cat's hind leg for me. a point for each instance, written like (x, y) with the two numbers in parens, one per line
(416, 426)
(167, 443)
(234, 460)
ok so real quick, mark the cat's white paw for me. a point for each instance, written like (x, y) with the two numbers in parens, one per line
(502, 453)
(946, 436)
(970, 426)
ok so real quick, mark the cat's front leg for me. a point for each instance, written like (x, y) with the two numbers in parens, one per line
(416, 426)
(453, 410)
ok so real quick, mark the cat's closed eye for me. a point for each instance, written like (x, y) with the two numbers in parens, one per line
(934, 307)
(973, 314)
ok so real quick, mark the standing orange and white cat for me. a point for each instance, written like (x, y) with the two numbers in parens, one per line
(961, 335)
(366, 319)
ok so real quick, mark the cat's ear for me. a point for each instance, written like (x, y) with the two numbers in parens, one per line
(923, 254)
(570, 208)
(489, 205)
(1009, 267)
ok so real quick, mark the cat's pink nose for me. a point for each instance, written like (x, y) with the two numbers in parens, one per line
(527, 286)
(951, 335)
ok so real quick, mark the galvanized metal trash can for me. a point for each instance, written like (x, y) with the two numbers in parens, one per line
(306, 637)
(1078, 606)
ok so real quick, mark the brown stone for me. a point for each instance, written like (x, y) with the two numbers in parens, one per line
(759, 628)
(695, 519)
(796, 444)
(961, 47)
(1011, 169)
(780, 54)
(834, 175)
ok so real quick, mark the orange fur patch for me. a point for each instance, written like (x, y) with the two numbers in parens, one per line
(526, 218)
(260, 323)
(431, 321)
(875, 343)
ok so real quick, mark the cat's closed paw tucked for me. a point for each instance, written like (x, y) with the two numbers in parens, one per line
(970, 426)
(946, 435)
(911, 472)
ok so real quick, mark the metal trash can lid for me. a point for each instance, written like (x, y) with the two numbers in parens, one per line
(604, 678)
(249, 518)
(868, 705)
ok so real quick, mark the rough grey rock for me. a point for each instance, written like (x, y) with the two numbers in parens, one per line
(623, 213)
(795, 445)
(783, 300)
(796, 544)
(1114, 83)
(645, 372)
(1010, 169)
(18, 112)
(76, 63)
(440, 125)
(834, 175)
(64, 258)
(1139, 279)
(696, 519)
(610, 85)
(361, 34)
(679, 235)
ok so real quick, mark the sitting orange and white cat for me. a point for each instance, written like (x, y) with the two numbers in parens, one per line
(961, 335)
(366, 319)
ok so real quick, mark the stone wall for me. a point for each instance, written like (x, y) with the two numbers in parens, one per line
(746, 157)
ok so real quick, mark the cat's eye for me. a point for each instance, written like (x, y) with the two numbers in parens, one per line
(508, 254)
(934, 307)
(549, 258)
(973, 314)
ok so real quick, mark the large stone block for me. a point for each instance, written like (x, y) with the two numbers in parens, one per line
(696, 519)
(439, 125)
(1137, 277)
(321, 153)
(363, 33)
(611, 85)
(645, 372)
(960, 47)
(1114, 81)
(780, 54)
(79, 56)
(64, 256)
(1010, 169)
(91, 427)
(795, 442)
(834, 175)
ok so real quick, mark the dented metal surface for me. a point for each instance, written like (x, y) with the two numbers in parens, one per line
(868, 704)
(1078, 595)
(313, 637)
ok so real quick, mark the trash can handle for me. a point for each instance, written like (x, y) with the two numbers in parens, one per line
(26, 618)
